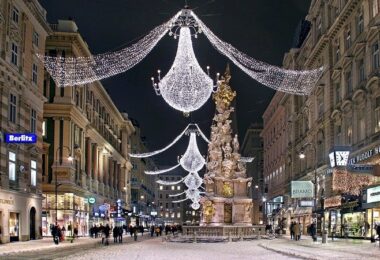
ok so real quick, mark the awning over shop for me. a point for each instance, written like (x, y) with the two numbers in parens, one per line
(303, 211)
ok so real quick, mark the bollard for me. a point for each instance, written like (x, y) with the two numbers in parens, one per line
(229, 237)
(258, 236)
(195, 237)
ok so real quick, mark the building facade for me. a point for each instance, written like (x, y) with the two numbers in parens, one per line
(86, 166)
(342, 110)
(253, 147)
(142, 185)
(169, 212)
(23, 29)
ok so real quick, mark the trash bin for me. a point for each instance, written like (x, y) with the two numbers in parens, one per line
(324, 237)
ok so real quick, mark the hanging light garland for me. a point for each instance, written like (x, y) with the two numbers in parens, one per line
(72, 71)
(290, 81)
(192, 160)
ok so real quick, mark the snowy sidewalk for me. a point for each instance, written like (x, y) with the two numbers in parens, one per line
(47, 243)
(44, 244)
(341, 248)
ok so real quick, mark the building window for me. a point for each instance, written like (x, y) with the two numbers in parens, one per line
(348, 83)
(12, 108)
(377, 114)
(14, 54)
(348, 39)
(361, 71)
(173, 187)
(167, 196)
(33, 120)
(360, 23)
(375, 7)
(161, 187)
(178, 215)
(33, 173)
(15, 14)
(12, 166)
(44, 128)
(337, 52)
(34, 73)
(160, 195)
(319, 27)
(361, 124)
(375, 56)
(36, 38)
(320, 105)
(337, 93)
(338, 133)
(178, 187)
(349, 135)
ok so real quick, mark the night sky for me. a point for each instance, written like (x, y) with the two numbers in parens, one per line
(264, 29)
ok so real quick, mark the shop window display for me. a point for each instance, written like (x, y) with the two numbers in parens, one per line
(14, 226)
(353, 224)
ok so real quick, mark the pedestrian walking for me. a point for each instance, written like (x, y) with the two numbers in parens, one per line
(151, 231)
(297, 231)
(291, 230)
(115, 233)
(120, 234)
(106, 231)
(313, 231)
(135, 233)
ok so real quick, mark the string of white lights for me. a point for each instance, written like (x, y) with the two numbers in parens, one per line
(202, 134)
(186, 87)
(162, 171)
(192, 160)
(246, 159)
(290, 81)
(167, 183)
(144, 155)
(81, 70)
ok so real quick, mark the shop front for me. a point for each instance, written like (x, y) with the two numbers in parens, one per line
(72, 213)
(19, 217)
(371, 203)
(345, 218)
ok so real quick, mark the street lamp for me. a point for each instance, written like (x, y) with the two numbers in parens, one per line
(302, 155)
(70, 158)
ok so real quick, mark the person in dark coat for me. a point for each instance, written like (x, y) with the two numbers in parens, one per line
(291, 230)
(151, 230)
(106, 231)
(313, 231)
(115, 233)
(120, 234)
(131, 230)
(135, 233)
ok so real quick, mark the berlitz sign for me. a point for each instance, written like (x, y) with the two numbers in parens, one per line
(21, 138)
(302, 189)
(365, 155)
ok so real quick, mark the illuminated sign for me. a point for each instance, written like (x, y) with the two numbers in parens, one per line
(365, 155)
(373, 194)
(91, 200)
(333, 202)
(20, 138)
(302, 189)
(306, 203)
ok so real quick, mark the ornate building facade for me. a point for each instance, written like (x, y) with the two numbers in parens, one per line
(23, 29)
(342, 110)
(142, 185)
(86, 166)
(253, 147)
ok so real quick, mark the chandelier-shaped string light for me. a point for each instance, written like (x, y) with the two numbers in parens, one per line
(186, 87)
(150, 154)
(72, 71)
(192, 160)
(290, 81)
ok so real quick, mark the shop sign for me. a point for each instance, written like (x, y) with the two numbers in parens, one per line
(350, 204)
(366, 155)
(306, 203)
(360, 168)
(302, 189)
(333, 202)
(373, 194)
(7, 202)
(91, 200)
(20, 138)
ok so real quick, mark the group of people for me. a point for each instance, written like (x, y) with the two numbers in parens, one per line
(296, 230)
(59, 233)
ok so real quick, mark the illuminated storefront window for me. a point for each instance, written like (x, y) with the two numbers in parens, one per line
(14, 226)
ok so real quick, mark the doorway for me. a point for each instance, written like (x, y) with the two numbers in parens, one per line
(32, 226)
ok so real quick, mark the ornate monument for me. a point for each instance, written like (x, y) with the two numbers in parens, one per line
(226, 200)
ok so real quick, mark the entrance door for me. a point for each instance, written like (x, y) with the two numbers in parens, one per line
(32, 219)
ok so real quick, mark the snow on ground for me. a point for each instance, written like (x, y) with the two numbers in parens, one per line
(156, 249)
